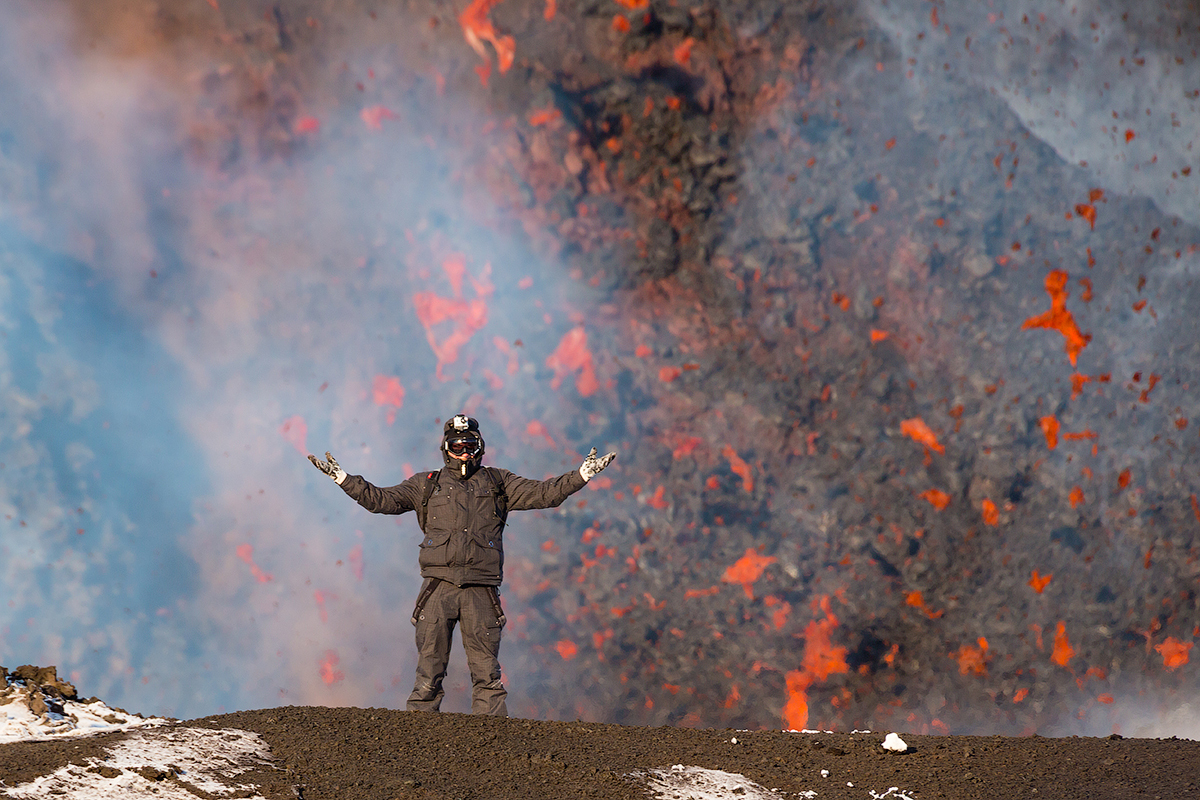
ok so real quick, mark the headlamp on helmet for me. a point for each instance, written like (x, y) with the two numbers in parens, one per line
(462, 444)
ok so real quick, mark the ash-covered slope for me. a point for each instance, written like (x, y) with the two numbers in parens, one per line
(378, 754)
(317, 753)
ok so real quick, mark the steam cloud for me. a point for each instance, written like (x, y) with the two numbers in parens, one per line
(181, 330)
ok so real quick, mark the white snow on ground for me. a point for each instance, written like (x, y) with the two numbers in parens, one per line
(19, 723)
(696, 783)
(160, 763)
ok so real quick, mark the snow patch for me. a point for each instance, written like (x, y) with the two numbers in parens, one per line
(27, 713)
(165, 764)
(893, 793)
(696, 783)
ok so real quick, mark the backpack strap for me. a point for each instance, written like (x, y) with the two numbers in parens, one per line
(427, 591)
(431, 485)
(501, 495)
(494, 595)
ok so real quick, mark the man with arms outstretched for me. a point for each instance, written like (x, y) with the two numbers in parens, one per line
(461, 509)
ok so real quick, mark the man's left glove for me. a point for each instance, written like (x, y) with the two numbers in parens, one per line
(333, 469)
(592, 465)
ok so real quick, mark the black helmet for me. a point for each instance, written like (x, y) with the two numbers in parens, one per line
(460, 435)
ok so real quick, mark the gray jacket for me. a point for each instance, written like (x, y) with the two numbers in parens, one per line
(464, 541)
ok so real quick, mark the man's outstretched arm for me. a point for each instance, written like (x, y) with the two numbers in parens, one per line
(525, 494)
(378, 500)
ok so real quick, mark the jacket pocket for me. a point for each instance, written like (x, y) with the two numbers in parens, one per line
(487, 555)
(493, 629)
(434, 549)
(438, 512)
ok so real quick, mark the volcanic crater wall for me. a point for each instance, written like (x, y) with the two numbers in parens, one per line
(900, 383)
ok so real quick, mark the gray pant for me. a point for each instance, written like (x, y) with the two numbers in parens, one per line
(472, 605)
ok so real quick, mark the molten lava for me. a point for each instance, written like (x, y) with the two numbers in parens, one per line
(1059, 318)
(918, 431)
(572, 355)
(821, 659)
(747, 569)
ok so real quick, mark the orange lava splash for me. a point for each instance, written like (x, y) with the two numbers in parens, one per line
(329, 671)
(747, 569)
(937, 498)
(918, 431)
(572, 355)
(795, 711)
(468, 316)
(1063, 652)
(538, 431)
(739, 467)
(1059, 318)
(1124, 478)
(821, 659)
(373, 116)
(1050, 430)
(387, 391)
(1076, 497)
(1174, 652)
(544, 116)
(246, 553)
(972, 660)
(916, 599)
(477, 29)
(1039, 582)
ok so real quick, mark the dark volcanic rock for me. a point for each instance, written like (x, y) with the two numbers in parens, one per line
(46, 678)
(381, 754)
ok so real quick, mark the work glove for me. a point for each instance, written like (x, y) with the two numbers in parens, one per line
(333, 469)
(592, 465)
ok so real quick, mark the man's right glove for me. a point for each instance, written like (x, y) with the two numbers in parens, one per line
(333, 469)
(592, 465)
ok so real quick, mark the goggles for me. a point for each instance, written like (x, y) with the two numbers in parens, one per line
(468, 445)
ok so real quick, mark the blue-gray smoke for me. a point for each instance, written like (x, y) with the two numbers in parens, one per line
(176, 337)
(99, 476)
